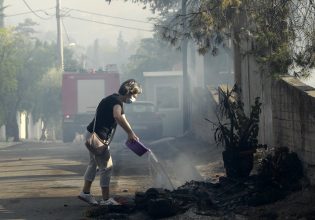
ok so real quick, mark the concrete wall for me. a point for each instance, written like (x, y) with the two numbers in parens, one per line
(2, 133)
(206, 73)
(294, 119)
(204, 107)
(254, 84)
(28, 129)
(288, 108)
(287, 117)
(34, 129)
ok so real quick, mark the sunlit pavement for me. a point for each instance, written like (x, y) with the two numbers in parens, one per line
(27, 173)
(42, 180)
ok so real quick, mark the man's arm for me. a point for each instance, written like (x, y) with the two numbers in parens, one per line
(123, 122)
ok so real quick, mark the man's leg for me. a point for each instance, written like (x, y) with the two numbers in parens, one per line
(105, 175)
(89, 176)
(87, 186)
(86, 195)
(90, 171)
(105, 193)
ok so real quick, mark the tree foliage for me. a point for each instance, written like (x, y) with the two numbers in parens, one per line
(151, 55)
(47, 104)
(23, 63)
(281, 31)
(29, 81)
(26, 27)
(8, 82)
(71, 63)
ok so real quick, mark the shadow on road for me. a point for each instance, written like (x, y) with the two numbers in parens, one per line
(42, 208)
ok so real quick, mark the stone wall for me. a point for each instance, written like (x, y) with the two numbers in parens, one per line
(287, 119)
(293, 107)
(288, 109)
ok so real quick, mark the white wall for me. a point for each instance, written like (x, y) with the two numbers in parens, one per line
(169, 104)
(2, 133)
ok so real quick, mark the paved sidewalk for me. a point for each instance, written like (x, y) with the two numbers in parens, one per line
(7, 144)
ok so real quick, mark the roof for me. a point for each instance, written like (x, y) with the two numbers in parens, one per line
(162, 73)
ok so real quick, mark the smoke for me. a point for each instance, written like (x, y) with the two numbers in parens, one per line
(173, 171)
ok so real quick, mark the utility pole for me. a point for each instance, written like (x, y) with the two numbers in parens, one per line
(2, 14)
(59, 37)
(186, 87)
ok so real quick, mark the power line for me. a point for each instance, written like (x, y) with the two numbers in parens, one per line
(64, 27)
(77, 18)
(83, 19)
(30, 12)
(114, 25)
(109, 16)
(34, 11)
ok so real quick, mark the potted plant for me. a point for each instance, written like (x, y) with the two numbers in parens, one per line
(237, 132)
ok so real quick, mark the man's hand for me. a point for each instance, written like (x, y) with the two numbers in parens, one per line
(132, 136)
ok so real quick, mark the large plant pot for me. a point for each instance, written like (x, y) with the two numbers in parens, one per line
(238, 164)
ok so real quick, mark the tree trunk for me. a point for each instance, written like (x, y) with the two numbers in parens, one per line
(240, 21)
(12, 129)
(237, 63)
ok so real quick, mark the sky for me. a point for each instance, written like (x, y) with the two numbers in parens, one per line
(75, 13)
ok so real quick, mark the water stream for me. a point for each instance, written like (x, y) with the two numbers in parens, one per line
(158, 173)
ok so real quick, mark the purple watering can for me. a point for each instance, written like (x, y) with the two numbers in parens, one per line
(137, 147)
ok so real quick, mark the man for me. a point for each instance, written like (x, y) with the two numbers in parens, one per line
(109, 113)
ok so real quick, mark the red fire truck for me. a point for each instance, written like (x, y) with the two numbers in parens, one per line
(81, 93)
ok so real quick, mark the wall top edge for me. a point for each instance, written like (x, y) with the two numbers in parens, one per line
(295, 82)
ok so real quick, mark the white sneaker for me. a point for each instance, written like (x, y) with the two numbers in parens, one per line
(109, 201)
(87, 197)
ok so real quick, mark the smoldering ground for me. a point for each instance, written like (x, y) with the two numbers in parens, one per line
(170, 168)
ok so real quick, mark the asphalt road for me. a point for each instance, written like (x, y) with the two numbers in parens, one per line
(42, 180)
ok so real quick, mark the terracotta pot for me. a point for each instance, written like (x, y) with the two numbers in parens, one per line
(238, 164)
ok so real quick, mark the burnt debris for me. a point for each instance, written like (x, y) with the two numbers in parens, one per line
(277, 176)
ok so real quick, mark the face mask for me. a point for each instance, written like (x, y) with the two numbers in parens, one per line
(130, 100)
